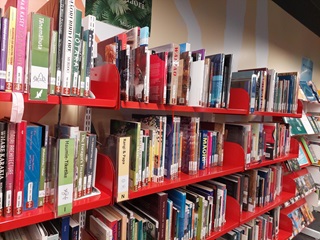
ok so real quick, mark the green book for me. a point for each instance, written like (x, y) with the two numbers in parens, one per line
(43, 162)
(309, 153)
(65, 177)
(83, 69)
(76, 53)
(39, 57)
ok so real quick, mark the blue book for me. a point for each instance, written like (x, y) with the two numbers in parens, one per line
(215, 95)
(179, 201)
(32, 167)
(292, 77)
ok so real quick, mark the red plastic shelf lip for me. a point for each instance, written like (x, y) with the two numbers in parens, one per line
(269, 162)
(84, 204)
(185, 179)
(230, 224)
(247, 216)
(277, 114)
(40, 214)
(178, 108)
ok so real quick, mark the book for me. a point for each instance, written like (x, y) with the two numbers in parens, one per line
(53, 61)
(108, 219)
(74, 229)
(64, 190)
(3, 154)
(91, 159)
(99, 229)
(3, 51)
(67, 47)
(11, 14)
(184, 77)
(132, 129)
(117, 148)
(20, 43)
(124, 65)
(39, 57)
(32, 167)
(81, 161)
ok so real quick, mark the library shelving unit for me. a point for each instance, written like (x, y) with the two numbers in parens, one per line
(105, 97)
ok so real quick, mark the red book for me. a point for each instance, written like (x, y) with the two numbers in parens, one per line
(20, 143)
(108, 219)
(9, 169)
(158, 77)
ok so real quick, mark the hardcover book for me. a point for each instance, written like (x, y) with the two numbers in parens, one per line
(39, 57)
(184, 78)
(81, 160)
(3, 154)
(53, 61)
(91, 159)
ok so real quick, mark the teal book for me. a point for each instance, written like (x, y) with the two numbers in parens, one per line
(39, 57)
(296, 125)
(64, 190)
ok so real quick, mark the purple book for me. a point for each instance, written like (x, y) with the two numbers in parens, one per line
(3, 52)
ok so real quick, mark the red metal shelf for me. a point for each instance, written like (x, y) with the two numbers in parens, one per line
(284, 235)
(247, 216)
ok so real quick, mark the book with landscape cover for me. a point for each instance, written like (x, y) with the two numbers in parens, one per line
(158, 77)
(132, 129)
(117, 148)
(39, 57)
(3, 51)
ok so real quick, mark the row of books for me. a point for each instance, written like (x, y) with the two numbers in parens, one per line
(265, 226)
(268, 90)
(164, 146)
(305, 184)
(49, 52)
(260, 141)
(35, 165)
(291, 165)
(65, 228)
(304, 125)
(300, 217)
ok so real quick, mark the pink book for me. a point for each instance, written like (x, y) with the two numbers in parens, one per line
(10, 170)
(20, 43)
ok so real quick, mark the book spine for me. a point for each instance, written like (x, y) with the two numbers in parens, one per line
(174, 74)
(32, 168)
(43, 160)
(67, 48)
(27, 68)
(12, 14)
(76, 53)
(81, 162)
(53, 62)
(65, 177)
(216, 87)
(59, 47)
(20, 45)
(3, 52)
(3, 153)
(39, 58)
(203, 149)
(8, 196)
(81, 79)
(19, 167)
(92, 140)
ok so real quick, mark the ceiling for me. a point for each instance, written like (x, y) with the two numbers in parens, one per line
(305, 11)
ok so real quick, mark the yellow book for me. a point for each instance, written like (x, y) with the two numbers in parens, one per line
(11, 14)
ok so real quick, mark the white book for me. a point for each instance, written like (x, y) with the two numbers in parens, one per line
(67, 47)
(196, 88)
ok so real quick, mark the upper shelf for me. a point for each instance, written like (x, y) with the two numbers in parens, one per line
(104, 81)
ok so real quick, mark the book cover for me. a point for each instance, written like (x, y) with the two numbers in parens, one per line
(88, 37)
(64, 191)
(74, 229)
(117, 148)
(158, 77)
(19, 167)
(10, 162)
(53, 61)
(124, 65)
(81, 160)
(226, 80)
(271, 140)
(108, 219)
(292, 95)
(99, 229)
(91, 155)
(39, 57)
(184, 78)
(132, 129)
(3, 51)
(20, 44)
(108, 51)
(32, 167)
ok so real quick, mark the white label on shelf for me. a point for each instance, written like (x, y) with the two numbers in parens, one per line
(123, 183)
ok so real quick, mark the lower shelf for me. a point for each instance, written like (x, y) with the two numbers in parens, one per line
(45, 213)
